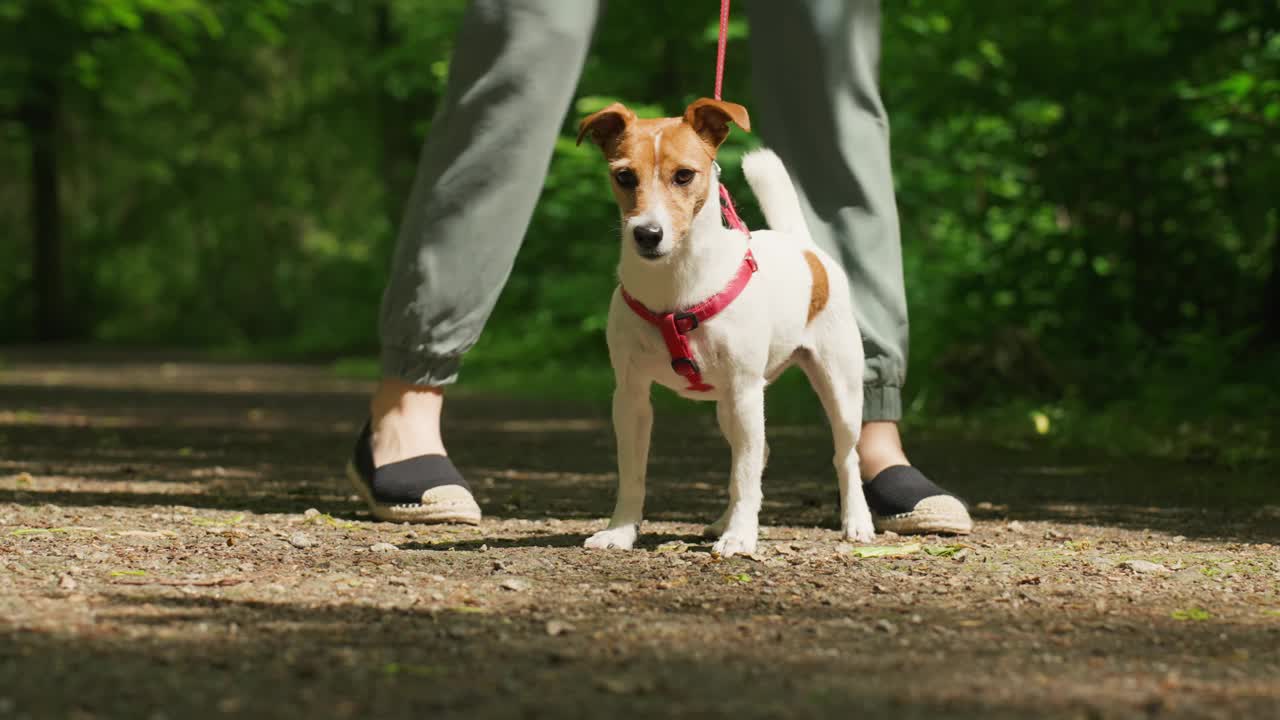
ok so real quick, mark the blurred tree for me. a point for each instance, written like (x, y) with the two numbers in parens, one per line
(56, 50)
(1087, 190)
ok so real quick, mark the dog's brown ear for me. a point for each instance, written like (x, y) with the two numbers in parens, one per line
(711, 118)
(606, 125)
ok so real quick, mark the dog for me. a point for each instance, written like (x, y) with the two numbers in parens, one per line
(716, 314)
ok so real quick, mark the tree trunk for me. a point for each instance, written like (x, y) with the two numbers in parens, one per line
(395, 124)
(1271, 295)
(41, 120)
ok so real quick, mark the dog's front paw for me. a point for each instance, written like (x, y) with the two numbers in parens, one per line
(619, 538)
(735, 543)
(860, 530)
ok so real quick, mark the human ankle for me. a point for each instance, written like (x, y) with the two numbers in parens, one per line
(879, 448)
(405, 421)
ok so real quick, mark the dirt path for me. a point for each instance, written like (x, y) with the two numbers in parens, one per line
(177, 541)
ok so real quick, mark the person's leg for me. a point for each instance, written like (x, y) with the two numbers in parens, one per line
(511, 80)
(817, 103)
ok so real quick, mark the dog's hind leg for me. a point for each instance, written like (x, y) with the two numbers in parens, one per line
(632, 423)
(741, 416)
(834, 369)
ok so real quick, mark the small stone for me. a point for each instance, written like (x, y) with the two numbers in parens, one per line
(301, 540)
(383, 547)
(68, 583)
(1052, 534)
(1144, 566)
(555, 628)
(886, 627)
(1179, 538)
(311, 513)
(1188, 576)
(890, 534)
(515, 584)
(1016, 527)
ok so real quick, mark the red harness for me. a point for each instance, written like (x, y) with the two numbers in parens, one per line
(675, 325)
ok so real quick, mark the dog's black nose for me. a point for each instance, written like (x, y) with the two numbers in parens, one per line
(648, 236)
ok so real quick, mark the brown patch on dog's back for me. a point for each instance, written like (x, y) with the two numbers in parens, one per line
(820, 290)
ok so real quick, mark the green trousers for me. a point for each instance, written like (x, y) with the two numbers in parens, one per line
(511, 81)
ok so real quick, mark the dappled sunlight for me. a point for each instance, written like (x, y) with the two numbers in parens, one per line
(215, 529)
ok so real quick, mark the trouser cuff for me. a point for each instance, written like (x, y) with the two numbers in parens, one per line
(419, 368)
(881, 403)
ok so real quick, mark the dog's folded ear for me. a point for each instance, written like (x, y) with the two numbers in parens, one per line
(605, 126)
(710, 119)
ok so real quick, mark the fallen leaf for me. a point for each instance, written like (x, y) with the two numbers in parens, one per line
(1195, 613)
(674, 547)
(206, 522)
(874, 551)
(118, 573)
(943, 550)
(217, 582)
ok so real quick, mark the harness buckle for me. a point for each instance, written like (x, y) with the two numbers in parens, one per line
(680, 317)
(684, 367)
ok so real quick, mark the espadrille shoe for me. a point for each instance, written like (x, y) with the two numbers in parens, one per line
(904, 501)
(423, 489)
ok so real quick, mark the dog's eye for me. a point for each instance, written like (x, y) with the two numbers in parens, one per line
(625, 178)
(684, 176)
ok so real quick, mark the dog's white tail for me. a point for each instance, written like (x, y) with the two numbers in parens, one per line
(775, 193)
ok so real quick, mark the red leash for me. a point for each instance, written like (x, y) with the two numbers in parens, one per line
(724, 41)
(727, 209)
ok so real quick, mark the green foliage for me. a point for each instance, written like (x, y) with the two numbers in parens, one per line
(1087, 193)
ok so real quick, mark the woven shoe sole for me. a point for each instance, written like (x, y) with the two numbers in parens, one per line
(940, 514)
(445, 504)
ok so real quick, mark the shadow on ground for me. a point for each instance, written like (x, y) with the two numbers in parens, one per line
(158, 563)
(273, 439)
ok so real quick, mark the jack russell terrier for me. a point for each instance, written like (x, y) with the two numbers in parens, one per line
(717, 314)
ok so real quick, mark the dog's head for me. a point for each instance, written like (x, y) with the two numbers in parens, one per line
(661, 170)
